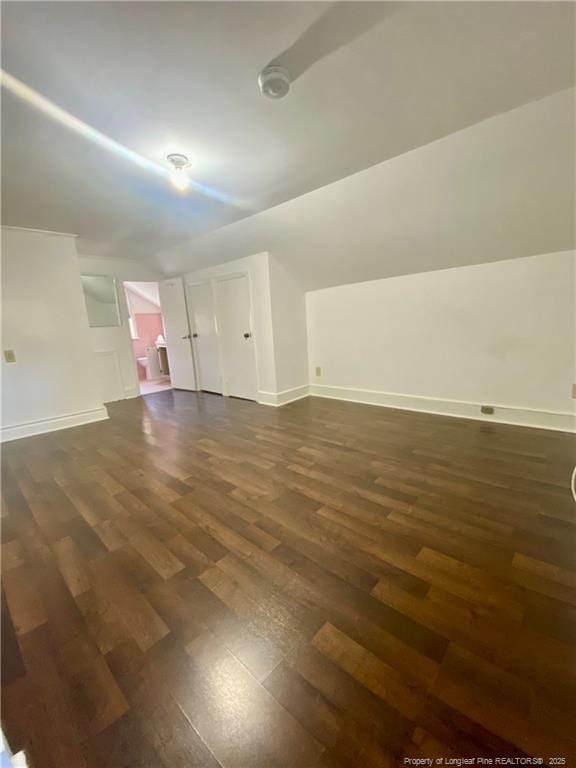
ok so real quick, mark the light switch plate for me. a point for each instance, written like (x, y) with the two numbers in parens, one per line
(9, 355)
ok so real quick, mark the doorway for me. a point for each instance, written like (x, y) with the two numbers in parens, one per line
(148, 336)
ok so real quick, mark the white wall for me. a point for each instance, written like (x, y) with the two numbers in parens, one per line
(279, 315)
(52, 384)
(500, 334)
(500, 189)
(289, 329)
(114, 354)
(140, 305)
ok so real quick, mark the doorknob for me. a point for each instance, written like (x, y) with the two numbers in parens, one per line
(194, 335)
(187, 336)
(247, 335)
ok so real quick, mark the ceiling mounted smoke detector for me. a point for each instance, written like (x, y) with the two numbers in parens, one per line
(178, 175)
(274, 82)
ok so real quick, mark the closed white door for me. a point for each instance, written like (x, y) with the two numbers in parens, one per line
(237, 342)
(177, 331)
(204, 337)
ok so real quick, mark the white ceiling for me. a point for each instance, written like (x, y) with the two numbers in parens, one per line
(500, 189)
(146, 290)
(375, 80)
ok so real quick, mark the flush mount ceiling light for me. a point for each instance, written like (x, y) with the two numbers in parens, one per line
(178, 175)
(274, 82)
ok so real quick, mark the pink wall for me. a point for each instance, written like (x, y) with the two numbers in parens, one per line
(149, 325)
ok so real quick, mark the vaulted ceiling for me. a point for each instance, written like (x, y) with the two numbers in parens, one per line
(500, 189)
(372, 82)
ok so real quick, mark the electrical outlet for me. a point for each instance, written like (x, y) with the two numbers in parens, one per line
(318, 371)
(9, 355)
(488, 409)
(574, 391)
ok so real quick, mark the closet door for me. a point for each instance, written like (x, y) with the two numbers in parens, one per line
(204, 337)
(237, 342)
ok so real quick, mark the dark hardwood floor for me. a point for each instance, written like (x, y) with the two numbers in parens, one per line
(209, 582)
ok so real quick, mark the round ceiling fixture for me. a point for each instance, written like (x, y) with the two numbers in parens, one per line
(178, 176)
(274, 82)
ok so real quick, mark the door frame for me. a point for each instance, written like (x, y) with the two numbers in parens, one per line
(125, 317)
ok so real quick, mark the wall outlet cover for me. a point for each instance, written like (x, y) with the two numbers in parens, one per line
(318, 371)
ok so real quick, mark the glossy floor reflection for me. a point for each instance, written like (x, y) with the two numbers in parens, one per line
(202, 581)
(156, 385)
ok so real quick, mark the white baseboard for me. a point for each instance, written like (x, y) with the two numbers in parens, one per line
(277, 399)
(504, 414)
(30, 428)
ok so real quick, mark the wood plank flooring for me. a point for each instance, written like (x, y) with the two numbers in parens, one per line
(205, 582)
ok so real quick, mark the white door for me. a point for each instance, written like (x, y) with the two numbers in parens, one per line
(178, 336)
(204, 335)
(237, 342)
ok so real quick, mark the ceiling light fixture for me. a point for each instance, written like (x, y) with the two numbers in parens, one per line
(54, 112)
(178, 175)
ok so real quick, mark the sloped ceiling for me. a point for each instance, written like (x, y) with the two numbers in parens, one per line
(375, 81)
(146, 290)
(501, 189)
